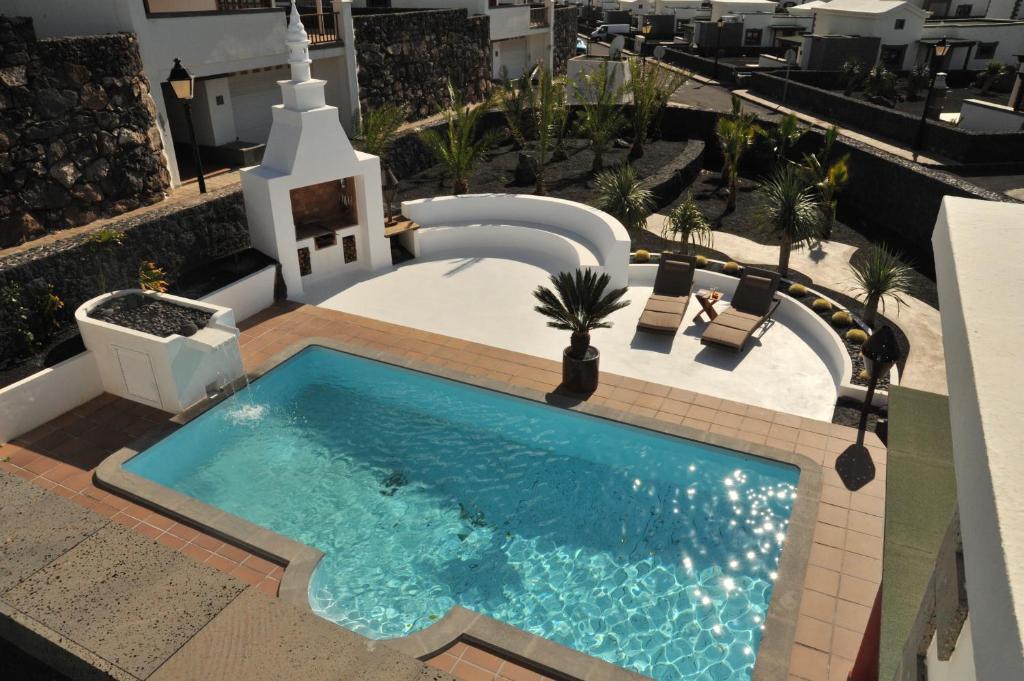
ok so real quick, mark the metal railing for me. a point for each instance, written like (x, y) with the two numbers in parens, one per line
(538, 17)
(323, 28)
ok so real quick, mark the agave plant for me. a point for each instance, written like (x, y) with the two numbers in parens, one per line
(650, 87)
(880, 274)
(687, 225)
(782, 138)
(548, 121)
(379, 129)
(460, 148)
(578, 302)
(621, 194)
(600, 119)
(735, 136)
(788, 211)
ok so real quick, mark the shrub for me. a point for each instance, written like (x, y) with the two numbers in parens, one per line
(642, 256)
(688, 226)
(151, 277)
(797, 290)
(821, 305)
(702, 262)
(856, 336)
(731, 267)
(842, 318)
(621, 194)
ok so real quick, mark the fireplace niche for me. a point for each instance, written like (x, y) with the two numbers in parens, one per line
(322, 209)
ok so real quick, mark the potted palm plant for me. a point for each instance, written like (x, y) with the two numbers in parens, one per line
(880, 274)
(578, 302)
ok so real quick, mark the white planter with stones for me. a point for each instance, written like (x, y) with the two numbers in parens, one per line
(170, 373)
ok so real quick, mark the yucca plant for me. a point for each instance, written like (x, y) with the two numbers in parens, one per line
(621, 194)
(880, 274)
(548, 122)
(788, 211)
(650, 87)
(782, 138)
(516, 99)
(378, 129)
(600, 119)
(735, 134)
(460, 148)
(687, 225)
(578, 302)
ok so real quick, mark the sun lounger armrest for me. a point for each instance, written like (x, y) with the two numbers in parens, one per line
(775, 306)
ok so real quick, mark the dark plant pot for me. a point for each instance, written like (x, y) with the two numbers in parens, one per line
(580, 375)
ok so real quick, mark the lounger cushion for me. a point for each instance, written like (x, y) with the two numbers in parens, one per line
(661, 322)
(754, 294)
(670, 304)
(675, 278)
(738, 320)
(725, 336)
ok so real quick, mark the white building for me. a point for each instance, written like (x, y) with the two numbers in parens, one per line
(522, 34)
(763, 24)
(234, 49)
(976, 42)
(898, 25)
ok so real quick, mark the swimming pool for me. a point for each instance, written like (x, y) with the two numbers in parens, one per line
(652, 552)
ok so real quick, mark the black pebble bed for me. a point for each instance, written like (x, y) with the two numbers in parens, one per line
(150, 315)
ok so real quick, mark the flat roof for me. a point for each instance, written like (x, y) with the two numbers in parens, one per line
(869, 7)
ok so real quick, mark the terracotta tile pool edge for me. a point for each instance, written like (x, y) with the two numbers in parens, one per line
(300, 560)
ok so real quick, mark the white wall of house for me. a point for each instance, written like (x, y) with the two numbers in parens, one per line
(720, 8)
(978, 246)
(976, 114)
(960, 665)
(1006, 38)
(901, 25)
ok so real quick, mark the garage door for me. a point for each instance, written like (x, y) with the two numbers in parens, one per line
(514, 56)
(252, 95)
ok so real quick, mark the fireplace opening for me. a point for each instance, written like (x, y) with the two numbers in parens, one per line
(324, 208)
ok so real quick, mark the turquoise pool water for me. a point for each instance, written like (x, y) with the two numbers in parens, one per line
(655, 553)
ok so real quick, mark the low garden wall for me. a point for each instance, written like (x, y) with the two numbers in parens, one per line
(45, 395)
(964, 146)
(669, 183)
(594, 228)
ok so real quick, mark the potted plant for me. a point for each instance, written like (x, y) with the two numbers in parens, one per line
(578, 302)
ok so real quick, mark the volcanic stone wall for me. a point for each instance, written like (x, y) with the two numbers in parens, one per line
(566, 23)
(77, 131)
(405, 58)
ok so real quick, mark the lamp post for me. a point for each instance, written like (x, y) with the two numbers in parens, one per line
(390, 190)
(1017, 95)
(183, 85)
(939, 50)
(718, 42)
(880, 352)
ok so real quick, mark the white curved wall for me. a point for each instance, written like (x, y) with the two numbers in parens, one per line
(599, 232)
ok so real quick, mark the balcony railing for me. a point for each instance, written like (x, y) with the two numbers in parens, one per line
(322, 28)
(538, 17)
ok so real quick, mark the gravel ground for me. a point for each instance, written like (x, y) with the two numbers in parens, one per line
(148, 315)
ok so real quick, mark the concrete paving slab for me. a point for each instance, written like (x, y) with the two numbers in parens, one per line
(124, 598)
(36, 528)
(258, 638)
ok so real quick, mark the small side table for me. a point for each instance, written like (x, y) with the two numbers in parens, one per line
(707, 300)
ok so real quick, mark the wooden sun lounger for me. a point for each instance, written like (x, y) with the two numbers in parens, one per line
(667, 304)
(752, 305)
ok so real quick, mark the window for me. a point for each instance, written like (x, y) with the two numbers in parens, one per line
(964, 10)
(985, 51)
(892, 56)
(900, 23)
(752, 36)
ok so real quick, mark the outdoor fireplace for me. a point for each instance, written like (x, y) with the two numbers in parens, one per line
(315, 204)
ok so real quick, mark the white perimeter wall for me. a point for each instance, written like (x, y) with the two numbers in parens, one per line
(47, 394)
(960, 665)
(976, 114)
(978, 247)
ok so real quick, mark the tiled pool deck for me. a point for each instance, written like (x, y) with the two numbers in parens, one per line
(845, 560)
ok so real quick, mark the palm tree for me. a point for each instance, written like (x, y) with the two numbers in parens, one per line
(600, 118)
(828, 178)
(548, 122)
(623, 196)
(460, 148)
(880, 274)
(516, 100)
(578, 303)
(379, 129)
(783, 137)
(650, 87)
(788, 211)
(735, 136)
(686, 224)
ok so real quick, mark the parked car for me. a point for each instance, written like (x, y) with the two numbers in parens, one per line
(609, 31)
(581, 46)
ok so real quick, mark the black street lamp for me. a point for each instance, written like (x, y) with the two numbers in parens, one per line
(390, 190)
(183, 85)
(718, 42)
(880, 352)
(939, 50)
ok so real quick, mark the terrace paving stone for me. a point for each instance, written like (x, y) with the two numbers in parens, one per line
(124, 598)
(36, 527)
(260, 638)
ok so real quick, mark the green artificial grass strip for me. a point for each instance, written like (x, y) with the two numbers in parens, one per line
(920, 501)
